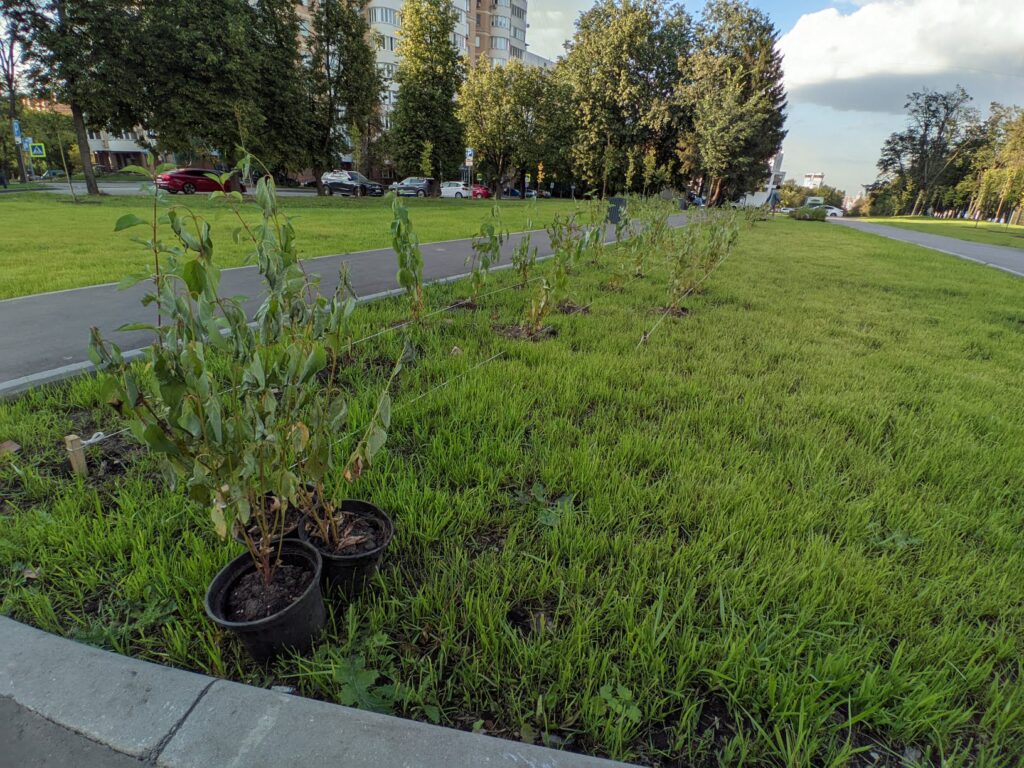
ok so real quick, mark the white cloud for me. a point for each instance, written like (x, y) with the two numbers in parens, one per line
(552, 22)
(870, 58)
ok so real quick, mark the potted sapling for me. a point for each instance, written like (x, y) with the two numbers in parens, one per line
(235, 410)
(351, 536)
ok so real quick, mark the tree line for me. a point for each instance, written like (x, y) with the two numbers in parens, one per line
(950, 158)
(646, 95)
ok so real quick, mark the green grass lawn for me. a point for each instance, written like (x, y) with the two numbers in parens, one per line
(790, 527)
(980, 232)
(48, 243)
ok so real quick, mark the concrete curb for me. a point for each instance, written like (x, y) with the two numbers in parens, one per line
(176, 719)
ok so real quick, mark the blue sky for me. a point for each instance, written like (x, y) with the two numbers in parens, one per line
(849, 66)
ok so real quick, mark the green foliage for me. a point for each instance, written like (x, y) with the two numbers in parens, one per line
(428, 77)
(486, 250)
(540, 308)
(504, 111)
(235, 410)
(806, 213)
(620, 71)
(341, 80)
(793, 195)
(427, 159)
(410, 259)
(524, 255)
(568, 240)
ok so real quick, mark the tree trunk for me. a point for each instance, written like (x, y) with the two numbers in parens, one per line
(83, 149)
(12, 111)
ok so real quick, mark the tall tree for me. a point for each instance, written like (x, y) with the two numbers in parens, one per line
(202, 74)
(622, 65)
(280, 99)
(13, 36)
(344, 85)
(428, 77)
(736, 44)
(941, 128)
(500, 106)
(81, 53)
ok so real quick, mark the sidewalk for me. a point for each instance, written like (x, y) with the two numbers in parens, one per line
(999, 256)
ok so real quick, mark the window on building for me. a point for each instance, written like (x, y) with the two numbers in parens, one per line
(517, 52)
(519, 13)
(519, 34)
(499, 43)
(504, 22)
(384, 16)
(387, 42)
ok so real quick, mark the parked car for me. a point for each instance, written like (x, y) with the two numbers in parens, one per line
(787, 210)
(512, 193)
(330, 176)
(53, 173)
(457, 189)
(414, 186)
(188, 181)
(480, 192)
(353, 183)
(830, 210)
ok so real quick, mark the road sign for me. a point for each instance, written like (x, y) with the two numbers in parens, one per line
(528, 178)
(470, 156)
(17, 130)
(37, 150)
(26, 142)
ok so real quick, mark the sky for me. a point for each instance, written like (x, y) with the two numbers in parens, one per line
(849, 66)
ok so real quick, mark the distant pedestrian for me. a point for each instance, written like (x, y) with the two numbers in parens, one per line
(3, 177)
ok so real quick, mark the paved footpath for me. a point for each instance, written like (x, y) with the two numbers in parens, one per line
(46, 336)
(999, 256)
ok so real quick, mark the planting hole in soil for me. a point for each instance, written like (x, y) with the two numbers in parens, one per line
(522, 332)
(250, 599)
(678, 312)
(572, 308)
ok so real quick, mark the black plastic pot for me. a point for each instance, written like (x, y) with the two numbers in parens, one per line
(351, 572)
(294, 627)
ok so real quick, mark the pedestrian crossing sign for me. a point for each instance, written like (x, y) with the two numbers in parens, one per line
(37, 150)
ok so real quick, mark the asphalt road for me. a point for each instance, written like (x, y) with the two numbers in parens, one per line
(30, 741)
(132, 189)
(999, 256)
(46, 336)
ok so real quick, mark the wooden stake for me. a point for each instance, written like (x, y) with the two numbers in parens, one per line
(76, 455)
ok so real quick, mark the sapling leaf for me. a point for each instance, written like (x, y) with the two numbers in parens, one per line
(129, 220)
(375, 441)
(315, 362)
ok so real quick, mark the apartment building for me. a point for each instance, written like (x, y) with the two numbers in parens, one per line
(385, 20)
(499, 30)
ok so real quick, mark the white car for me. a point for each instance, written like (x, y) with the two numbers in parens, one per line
(334, 176)
(832, 212)
(457, 189)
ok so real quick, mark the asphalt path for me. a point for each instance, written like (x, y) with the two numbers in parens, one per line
(999, 256)
(46, 336)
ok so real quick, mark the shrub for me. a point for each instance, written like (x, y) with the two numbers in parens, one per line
(807, 213)
(235, 409)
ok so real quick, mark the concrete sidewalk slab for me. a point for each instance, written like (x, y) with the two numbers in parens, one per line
(129, 705)
(236, 726)
(67, 704)
(999, 256)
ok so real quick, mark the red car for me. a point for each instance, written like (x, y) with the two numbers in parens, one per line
(480, 191)
(192, 180)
